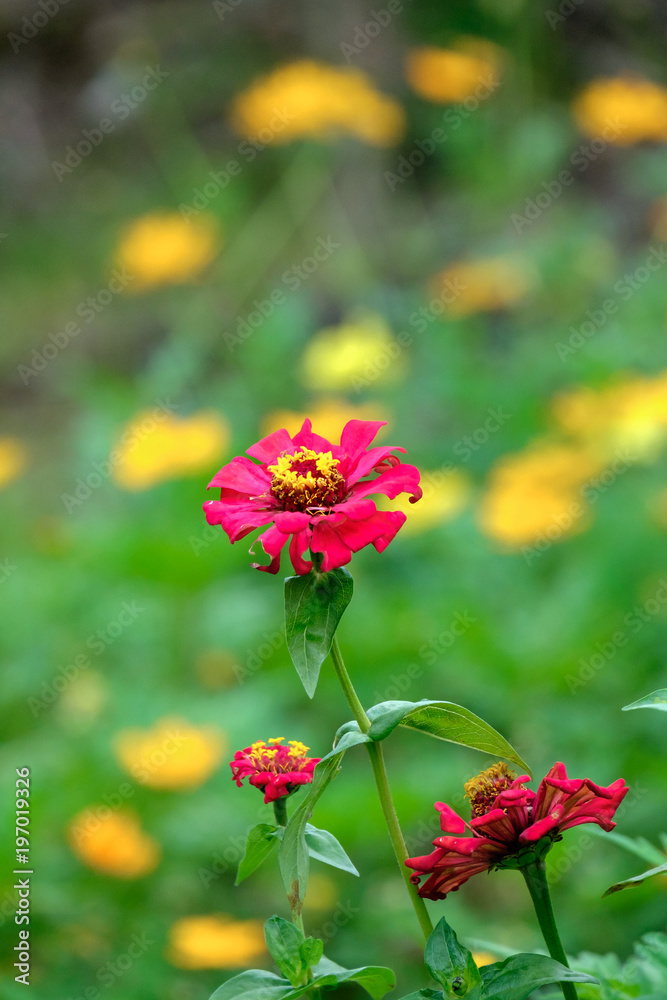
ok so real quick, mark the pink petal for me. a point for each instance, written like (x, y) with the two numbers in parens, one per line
(542, 827)
(400, 479)
(327, 541)
(356, 510)
(393, 520)
(367, 461)
(357, 435)
(291, 520)
(357, 534)
(243, 476)
(306, 438)
(272, 541)
(299, 544)
(235, 520)
(268, 449)
(450, 821)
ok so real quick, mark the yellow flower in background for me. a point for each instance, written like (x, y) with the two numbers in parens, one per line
(328, 417)
(445, 496)
(163, 248)
(312, 99)
(322, 893)
(622, 110)
(538, 493)
(172, 755)
(215, 942)
(447, 76)
(156, 446)
(359, 352)
(113, 843)
(482, 958)
(483, 285)
(12, 460)
(627, 416)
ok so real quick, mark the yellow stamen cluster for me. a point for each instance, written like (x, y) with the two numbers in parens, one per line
(306, 479)
(272, 756)
(483, 789)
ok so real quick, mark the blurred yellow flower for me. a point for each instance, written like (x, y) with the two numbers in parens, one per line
(322, 893)
(307, 98)
(172, 755)
(483, 285)
(629, 415)
(538, 494)
(447, 76)
(481, 958)
(359, 352)
(113, 843)
(156, 446)
(215, 942)
(12, 460)
(622, 110)
(163, 248)
(445, 496)
(328, 417)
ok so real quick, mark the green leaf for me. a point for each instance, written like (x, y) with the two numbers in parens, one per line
(657, 699)
(637, 880)
(323, 846)
(256, 984)
(347, 740)
(445, 721)
(284, 942)
(424, 995)
(311, 951)
(639, 846)
(314, 604)
(518, 976)
(293, 851)
(450, 963)
(375, 979)
(261, 841)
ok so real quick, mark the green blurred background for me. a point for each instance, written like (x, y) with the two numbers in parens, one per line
(88, 528)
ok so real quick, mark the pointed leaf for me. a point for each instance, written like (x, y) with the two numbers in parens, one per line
(314, 604)
(323, 846)
(656, 699)
(261, 841)
(637, 880)
(639, 846)
(284, 942)
(445, 721)
(450, 963)
(293, 851)
(424, 995)
(347, 740)
(518, 976)
(375, 979)
(256, 984)
(311, 951)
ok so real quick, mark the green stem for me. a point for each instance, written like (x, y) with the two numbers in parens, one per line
(280, 813)
(384, 791)
(536, 880)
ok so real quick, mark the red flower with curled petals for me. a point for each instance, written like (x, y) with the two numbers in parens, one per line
(508, 820)
(274, 769)
(315, 493)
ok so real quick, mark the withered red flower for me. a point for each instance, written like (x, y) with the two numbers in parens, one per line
(314, 492)
(508, 820)
(276, 769)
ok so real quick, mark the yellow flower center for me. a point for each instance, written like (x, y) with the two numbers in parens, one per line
(307, 479)
(278, 759)
(483, 789)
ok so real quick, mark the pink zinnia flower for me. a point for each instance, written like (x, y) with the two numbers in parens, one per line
(314, 491)
(274, 769)
(507, 818)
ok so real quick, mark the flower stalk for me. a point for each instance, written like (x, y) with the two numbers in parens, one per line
(536, 880)
(382, 783)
